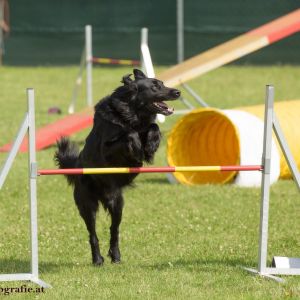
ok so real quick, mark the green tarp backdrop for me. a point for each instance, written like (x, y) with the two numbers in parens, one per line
(46, 32)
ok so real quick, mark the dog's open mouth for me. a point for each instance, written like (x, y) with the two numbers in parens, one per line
(161, 108)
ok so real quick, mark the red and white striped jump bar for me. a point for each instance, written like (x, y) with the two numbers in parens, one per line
(111, 61)
(148, 170)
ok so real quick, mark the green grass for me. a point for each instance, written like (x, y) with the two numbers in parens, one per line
(177, 242)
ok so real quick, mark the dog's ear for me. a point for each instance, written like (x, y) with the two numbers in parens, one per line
(126, 79)
(138, 74)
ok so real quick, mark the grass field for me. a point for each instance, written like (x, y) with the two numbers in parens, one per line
(177, 242)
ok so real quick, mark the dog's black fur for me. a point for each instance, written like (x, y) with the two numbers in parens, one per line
(124, 134)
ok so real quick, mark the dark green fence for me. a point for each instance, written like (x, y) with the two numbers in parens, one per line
(48, 32)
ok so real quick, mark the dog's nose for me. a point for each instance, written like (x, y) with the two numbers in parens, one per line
(176, 93)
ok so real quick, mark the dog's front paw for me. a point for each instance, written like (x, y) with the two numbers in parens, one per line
(152, 142)
(135, 147)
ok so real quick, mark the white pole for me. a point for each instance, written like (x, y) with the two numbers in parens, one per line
(180, 31)
(89, 64)
(14, 150)
(32, 184)
(32, 169)
(286, 151)
(265, 186)
(144, 40)
(146, 60)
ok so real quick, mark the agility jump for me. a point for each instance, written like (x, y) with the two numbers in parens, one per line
(87, 61)
(286, 266)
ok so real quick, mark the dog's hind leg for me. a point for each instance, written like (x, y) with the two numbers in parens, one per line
(115, 207)
(88, 206)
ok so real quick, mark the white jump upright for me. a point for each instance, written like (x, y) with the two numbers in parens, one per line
(86, 63)
(281, 265)
(146, 61)
(28, 125)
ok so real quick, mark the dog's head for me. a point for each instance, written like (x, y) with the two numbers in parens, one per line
(151, 93)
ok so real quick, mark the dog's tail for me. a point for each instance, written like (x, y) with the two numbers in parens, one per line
(66, 157)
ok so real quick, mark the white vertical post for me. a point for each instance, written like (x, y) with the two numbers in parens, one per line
(265, 186)
(32, 169)
(180, 31)
(32, 183)
(146, 60)
(89, 64)
(144, 40)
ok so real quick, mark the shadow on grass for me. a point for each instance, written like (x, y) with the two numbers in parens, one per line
(199, 264)
(9, 266)
(154, 180)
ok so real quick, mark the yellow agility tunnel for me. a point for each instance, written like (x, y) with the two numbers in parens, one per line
(209, 136)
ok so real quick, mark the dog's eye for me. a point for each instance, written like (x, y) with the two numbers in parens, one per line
(156, 84)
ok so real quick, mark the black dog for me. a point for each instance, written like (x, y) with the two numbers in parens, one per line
(124, 134)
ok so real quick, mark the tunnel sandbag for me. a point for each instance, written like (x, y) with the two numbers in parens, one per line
(210, 136)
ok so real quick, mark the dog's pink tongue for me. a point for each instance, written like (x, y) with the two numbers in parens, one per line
(162, 105)
(166, 110)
